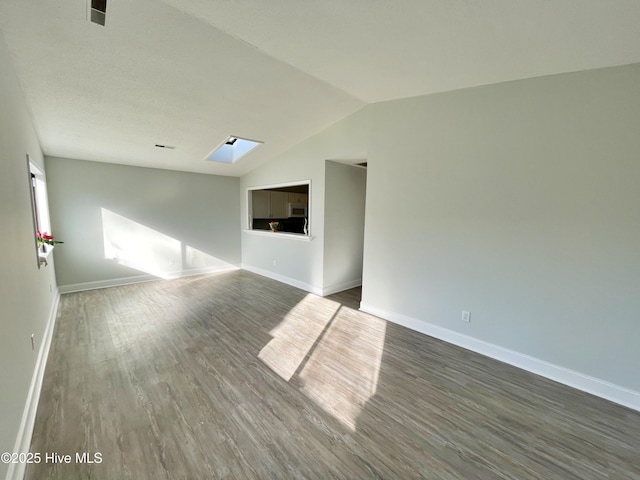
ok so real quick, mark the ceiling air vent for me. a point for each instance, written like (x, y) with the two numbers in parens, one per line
(98, 11)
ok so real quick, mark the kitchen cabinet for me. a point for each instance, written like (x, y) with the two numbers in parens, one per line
(279, 207)
(269, 204)
(261, 200)
(299, 198)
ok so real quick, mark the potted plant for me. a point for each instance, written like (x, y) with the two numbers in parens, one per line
(44, 239)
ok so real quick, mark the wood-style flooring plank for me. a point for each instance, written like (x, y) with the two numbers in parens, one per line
(235, 376)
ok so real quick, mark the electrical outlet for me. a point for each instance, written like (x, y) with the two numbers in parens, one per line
(466, 316)
(275, 263)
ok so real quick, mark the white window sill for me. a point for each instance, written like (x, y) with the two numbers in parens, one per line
(43, 257)
(287, 235)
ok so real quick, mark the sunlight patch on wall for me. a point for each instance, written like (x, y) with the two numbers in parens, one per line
(140, 247)
(342, 388)
(194, 260)
(294, 337)
(137, 246)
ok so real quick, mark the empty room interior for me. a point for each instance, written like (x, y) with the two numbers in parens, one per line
(320, 239)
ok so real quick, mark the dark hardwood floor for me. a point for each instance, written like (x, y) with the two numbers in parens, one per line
(235, 376)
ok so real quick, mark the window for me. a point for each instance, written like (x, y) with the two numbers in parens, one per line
(39, 206)
(280, 208)
(232, 150)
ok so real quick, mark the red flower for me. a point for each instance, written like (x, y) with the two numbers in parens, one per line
(44, 237)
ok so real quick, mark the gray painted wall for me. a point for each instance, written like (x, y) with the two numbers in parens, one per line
(524, 208)
(516, 201)
(345, 194)
(120, 222)
(26, 292)
(299, 261)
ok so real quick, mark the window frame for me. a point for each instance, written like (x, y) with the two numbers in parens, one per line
(249, 210)
(39, 208)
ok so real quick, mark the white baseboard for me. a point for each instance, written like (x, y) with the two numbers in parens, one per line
(23, 440)
(615, 393)
(281, 278)
(116, 282)
(341, 287)
(323, 292)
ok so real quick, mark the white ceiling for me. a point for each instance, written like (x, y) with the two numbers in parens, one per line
(190, 73)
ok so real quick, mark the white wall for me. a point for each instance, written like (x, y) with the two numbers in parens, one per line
(156, 223)
(297, 262)
(516, 201)
(345, 194)
(27, 294)
(524, 209)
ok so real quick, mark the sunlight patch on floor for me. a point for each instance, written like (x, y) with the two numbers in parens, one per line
(335, 351)
(342, 373)
(295, 336)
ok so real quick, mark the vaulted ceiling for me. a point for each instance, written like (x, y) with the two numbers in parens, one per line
(190, 73)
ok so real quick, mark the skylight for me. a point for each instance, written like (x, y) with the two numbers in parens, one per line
(232, 150)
